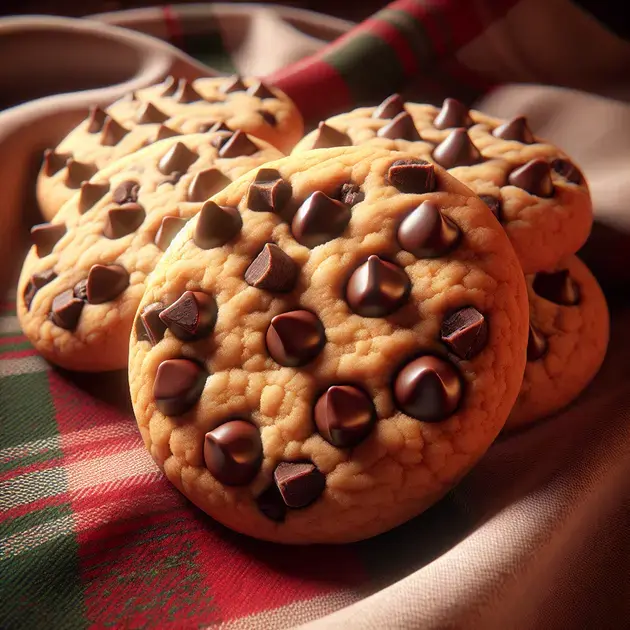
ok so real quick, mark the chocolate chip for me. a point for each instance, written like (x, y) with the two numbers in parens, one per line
(401, 128)
(568, 170)
(465, 332)
(300, 483)
(172, 179)
(494, 203)
(516, 129)
(412, 176)
(106, 282)
(45, 236)
(54, 162)
(534, 177)
(238, 144)
(149, 113)
(192, 316)
(428, 389)
(80, 290)
(457, 150)
(66, 310)
(390, 107)
(220, 139)
(295, 338)
(557, 287)
(123, 220)
(268, 192)
(177, 159)
(453, 114)
(268, 117)
(178, 385)
(78, 172)
(537, 345)
(233, 84)
(326, 137)
(233, 452)
(96, 119)
(319, 219)
(126, 192)
(169, 86)
(186, 93)
(113, 132)
(149, 326)
(270, 503)
(207, 183)
(91, 194)
(260, 90)
(377, 288)
(168, 230)
(163, 132)
(427, 233)
(35, 283)
(218, 126)
(216, 225)
(272, 270)
(206, 126)
(350, 194)
(344, 415)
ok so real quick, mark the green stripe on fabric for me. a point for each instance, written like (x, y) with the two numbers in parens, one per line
(15, 347)
(414, 33)
(210, 50)
(30, 458)
(33, 519)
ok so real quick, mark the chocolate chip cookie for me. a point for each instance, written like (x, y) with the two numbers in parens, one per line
(83, 279)
(330, 345)
(157, 112)
(535, 190)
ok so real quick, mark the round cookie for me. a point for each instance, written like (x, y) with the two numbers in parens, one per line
(569, 325)
(333, 369)
(158, 112)
(538, 194)
(83, 279)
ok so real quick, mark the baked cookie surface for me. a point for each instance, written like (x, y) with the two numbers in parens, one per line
(329, 365)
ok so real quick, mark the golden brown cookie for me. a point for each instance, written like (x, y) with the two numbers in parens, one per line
(538, 194)
(83, 279)
(333, 368)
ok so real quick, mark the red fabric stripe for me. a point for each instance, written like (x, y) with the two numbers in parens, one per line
(34, 506)
(5, 341)
(173, 27)
(391, 36)
(18, 471)
(18, 354)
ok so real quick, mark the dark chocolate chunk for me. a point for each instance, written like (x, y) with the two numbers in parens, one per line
(401, 128)
(260, 90)
(427, 233)
(163, 132)
(80, 290)
(66, 310)
(537, 345)
(494, 203)
(192, 316)
(35, 283)
(237, 145)
(233, 84)
(390, 107)
(169, 86)
(350, 194)
(219, 126)
(207, 183)
(45, 236)
(377, 288)
(96, 119)
(126, 192)
(272, 270)
(123, 220)
(149, 113)
(178, 385)
(149, 326)
(568, 170)
(412, 176)
(344, 415)
(106, 282)
(557, 287)
(216, 225)
(428, 389)
(319, 219)
(295, 338)
(270, 503)
(300, 483)
(91, 194)
(326, 137)
(113, 132)
(177, 159)
(268, 192)
(186, 93)
(233, 452)
(78, 172)
(168, 230)
(54, 162)
(465, 332)
(457, 150)
(453, 114)
(534, 177)
(516, 129)
(268, 117)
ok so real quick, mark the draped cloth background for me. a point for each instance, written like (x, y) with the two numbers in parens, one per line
(536, 536)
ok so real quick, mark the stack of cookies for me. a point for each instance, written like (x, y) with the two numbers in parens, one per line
(319, 345)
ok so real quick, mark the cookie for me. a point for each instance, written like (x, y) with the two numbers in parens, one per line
(536, 191)
(334, 368)
(569, 326)
(160, 111)
(83, 279)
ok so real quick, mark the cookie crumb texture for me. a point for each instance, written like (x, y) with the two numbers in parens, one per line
(336, 392)
(539, 195)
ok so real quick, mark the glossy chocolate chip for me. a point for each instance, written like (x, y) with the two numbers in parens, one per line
(91, 194)
(149, 326)
(377, 288)
(494, 203)
(216, 225)
(401, 128)
(123, 220)
(568, 170)
(126, 192)
(465, 332)
(457, 150)
(260, 90)
(168, 230)
(45, 236)
(412, 176)
(54, 162)
(557, 287)
(534, 177)
(233, 452)
(106, 282)
(295, 338)
(428, 389)
(537, 345)
(78, 172)
(350, 194)
(178, 385)
(390, 107)
(66, 310)
(270, 503)
(272, 270)
(319, 219)
(163, 132)
(427, 233)
(96, 119)
(192, 316)
(186, 93)
(80, 290)
(516, 129)
(326, 137)
(453, 114)
(233, 84)
(35, 283)
(300, 483)
(218, 126)
(113, 132)
(149, 113)
(344, 415)
(169, 86)
(178, 158)
(207, 183)
(268, 192)
(238, 145)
